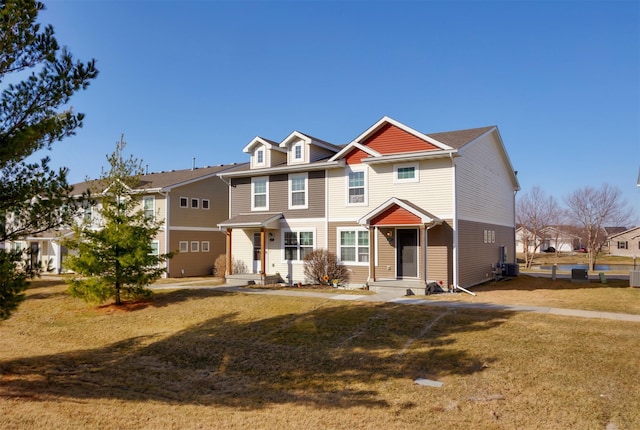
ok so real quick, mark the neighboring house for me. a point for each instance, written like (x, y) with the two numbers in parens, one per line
(189, 203)
(626, 243)
(394, 204)
(608, 233)
(549, 237)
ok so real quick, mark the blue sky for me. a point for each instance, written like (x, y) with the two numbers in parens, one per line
(183, 79)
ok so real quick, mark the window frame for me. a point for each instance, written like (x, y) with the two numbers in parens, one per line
(186, 202)
(193, 200)
(290, 180)
(208, 204)
(356, 246)
(298, 232)
(365, 200)
(294, 152)
(205, 246)
(253, 193)
(194, 246)
(152, 214)
(183, 246)
(260, 152)
(398, 167)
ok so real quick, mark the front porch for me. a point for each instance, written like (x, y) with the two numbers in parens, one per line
(256, 278)
(407, 287)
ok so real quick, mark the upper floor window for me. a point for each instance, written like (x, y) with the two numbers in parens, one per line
(406, 173)
(260, 156)
(298, 195)
(297, 152)
(88, 213)
(353, 245)
(259, 193)
(195, 203)
(184, 202)
(149, 206)
(356, 187)
(297, 244)
(205, 203)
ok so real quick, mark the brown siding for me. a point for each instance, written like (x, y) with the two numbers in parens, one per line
(241, 196)
(213, 189)
(440, 254)
(386, 268)
(357, 274)
(391, 139)
(476, 257)
(195, 263)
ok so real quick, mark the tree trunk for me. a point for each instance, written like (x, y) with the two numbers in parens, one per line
(118, 301)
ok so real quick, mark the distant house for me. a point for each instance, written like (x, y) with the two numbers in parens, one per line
(557, 238)
(189, 203)
(394, 204)
(625, 243)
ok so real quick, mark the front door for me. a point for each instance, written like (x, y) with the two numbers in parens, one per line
(407, 248)
(257, 254)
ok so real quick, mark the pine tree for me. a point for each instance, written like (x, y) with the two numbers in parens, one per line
(117, 257)
(33, 115)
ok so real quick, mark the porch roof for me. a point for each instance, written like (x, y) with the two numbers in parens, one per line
(252, 220)
(424, 216)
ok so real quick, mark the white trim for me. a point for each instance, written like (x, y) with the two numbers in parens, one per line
(297, 230)
(189, 228)
(357, 169)
(195, 248)
(192, 200)
(339, 245)
(304, 175)
(253, 180)
(416, 173)
(184, 243)
(202, 246)
(208, 204)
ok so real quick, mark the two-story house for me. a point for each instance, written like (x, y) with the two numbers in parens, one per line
(189, 203)
(394, 205)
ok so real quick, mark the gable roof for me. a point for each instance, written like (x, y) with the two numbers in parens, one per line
(270, 144)
(424, 216)
(165, 181)
(626, 232)
(308, 139)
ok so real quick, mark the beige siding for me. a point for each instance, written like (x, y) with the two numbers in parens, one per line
(433, 192)
(476, 257)
(386, 255)
(631, 239)
(241, 196)
(485, 190)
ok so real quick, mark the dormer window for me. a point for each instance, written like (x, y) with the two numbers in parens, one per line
(297, 152)
(260, 156)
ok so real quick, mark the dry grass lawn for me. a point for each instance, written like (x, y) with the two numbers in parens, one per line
(202, 359)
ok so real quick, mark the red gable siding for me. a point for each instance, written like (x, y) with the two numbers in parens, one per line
(391, 139)
(355, 156)
(396, 215)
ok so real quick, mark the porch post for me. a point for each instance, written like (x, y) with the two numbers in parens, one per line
(372, 253)
(263, 259)
(229, 259)
(424, 250)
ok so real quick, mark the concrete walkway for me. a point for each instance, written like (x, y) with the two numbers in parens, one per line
(392, 297)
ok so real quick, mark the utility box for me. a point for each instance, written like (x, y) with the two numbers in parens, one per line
(634, 278)
(579, 275)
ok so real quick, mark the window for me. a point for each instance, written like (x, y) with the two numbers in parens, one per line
(298, 191)
(195, 203)
(155, 248)
(205, 203)
(87, 216)
(148, 204)
(623, 245)
(356, 187)
(297, 152)
(406, 173)
(184, 246)
(184, 202)
(259, 192)
(204, 246)
(260, 156)
(195, 246)
(353, 246)
(297, 244)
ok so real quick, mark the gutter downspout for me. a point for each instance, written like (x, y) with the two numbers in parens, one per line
(455, 223)
(167, 202)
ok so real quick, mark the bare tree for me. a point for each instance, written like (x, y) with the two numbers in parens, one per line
(591, 209)
(535, 211)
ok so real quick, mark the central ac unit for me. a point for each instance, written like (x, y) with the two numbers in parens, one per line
(634, 278)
